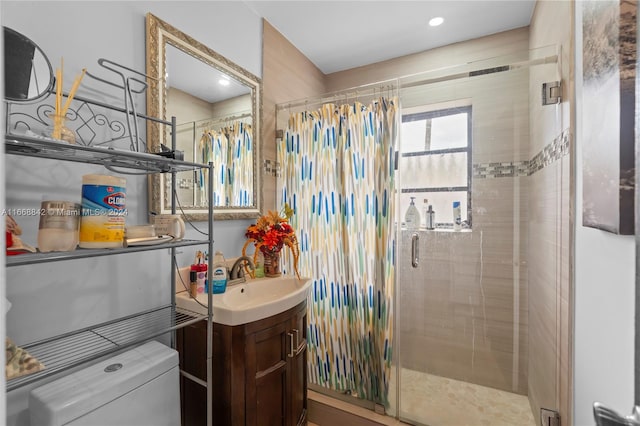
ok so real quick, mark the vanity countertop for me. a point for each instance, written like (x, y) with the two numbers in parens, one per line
(250, 301)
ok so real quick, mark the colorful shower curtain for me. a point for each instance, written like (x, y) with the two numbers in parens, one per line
(338, 176)
(231, 150)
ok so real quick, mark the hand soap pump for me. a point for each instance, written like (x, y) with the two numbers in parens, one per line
(220, 273)
(412, 216)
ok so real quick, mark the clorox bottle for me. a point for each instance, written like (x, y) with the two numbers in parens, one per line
(103, 212)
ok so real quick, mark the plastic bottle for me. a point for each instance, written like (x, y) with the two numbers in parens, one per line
(430, 218)
(200, 270)
(220, 273)
(193, 283)
(412, 216)
(457, 218)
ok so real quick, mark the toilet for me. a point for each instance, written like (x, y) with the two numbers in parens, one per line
(138, 387)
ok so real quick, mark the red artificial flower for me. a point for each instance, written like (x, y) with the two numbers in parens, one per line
(271, 233)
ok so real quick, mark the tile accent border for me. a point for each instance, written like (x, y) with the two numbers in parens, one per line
(498, 170)
(271, 168)
(557, 149)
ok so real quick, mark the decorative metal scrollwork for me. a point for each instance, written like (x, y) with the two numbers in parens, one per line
(94, 123)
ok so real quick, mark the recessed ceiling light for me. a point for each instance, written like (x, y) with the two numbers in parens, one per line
(223, 82)
(434, 22)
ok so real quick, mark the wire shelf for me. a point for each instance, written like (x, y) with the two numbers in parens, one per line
(108, 157)
(80, 253)
(68, 350)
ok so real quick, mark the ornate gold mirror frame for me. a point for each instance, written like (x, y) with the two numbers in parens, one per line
(161, 35)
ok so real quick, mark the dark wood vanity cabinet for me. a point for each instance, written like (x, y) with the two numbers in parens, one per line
(259, 371)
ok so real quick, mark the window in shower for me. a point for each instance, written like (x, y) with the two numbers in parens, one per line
(435, 162)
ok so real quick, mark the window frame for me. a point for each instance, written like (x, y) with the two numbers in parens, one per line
(442, 112)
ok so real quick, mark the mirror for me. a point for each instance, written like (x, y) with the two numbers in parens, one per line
(27, 71)
(217, 105)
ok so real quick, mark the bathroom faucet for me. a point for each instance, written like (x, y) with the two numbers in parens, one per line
(238, 268)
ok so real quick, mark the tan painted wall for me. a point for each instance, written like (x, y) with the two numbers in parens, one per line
(287, 75)
(232, 107)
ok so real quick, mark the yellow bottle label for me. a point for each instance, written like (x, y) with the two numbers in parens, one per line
(102, 229)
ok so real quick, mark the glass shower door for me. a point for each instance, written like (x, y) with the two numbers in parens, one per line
(463, 303)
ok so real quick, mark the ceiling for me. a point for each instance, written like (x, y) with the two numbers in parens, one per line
(339, 35)
(202, 80)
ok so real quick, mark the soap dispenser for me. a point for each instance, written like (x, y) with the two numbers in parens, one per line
(220, 274)
(412, 216)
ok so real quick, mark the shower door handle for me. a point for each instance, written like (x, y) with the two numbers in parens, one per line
(415, 250)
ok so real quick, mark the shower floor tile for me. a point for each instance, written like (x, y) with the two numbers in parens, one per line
(439, 401)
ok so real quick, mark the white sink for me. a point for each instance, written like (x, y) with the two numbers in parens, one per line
(251, 301)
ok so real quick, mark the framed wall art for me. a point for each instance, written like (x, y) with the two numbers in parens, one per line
(609, 105)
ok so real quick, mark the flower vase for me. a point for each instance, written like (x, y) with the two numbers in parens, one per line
(272, 264)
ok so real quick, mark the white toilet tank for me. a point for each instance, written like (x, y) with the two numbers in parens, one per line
(139, 387)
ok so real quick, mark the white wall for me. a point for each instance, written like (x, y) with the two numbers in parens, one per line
(64, 296)
(604, 300)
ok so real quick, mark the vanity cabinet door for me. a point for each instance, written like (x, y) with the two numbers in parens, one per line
(298, 369)
(267, 375)
(259, 371)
